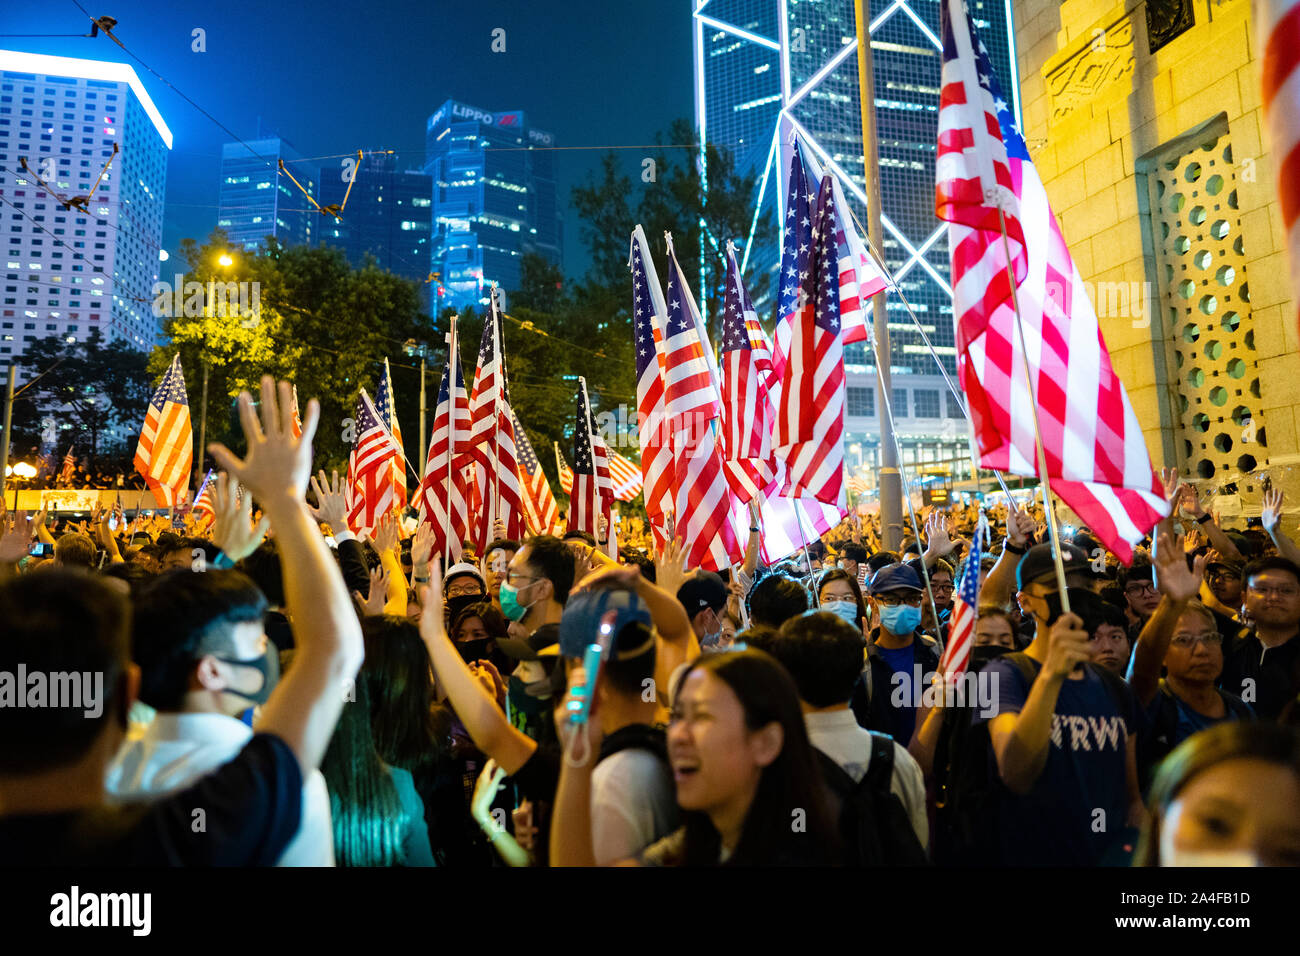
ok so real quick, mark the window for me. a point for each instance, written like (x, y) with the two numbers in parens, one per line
(927, 402)
(898, 402)
(861, 401)
(952, 406)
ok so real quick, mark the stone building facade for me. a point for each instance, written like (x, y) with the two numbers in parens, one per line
(1146, 125)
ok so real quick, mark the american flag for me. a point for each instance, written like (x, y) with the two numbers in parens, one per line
(860, 277)
(370, 475)
(540, 508)
(592, 496)
(497, 495)
(965, 609)
(625, 475)
(69, 468)
(441, 497)
(203, 500)
(703, 503)
(747, 412)
(165, 453)
(1278, 26)
(387, 409)
(649, 315)
(1096, 456)
(564, 471)
(810, 414)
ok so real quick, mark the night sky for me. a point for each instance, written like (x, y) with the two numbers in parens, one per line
(331, 77)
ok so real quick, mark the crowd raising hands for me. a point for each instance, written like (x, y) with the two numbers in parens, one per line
(344, 696)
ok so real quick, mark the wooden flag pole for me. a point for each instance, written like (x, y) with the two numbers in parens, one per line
(1048, 507)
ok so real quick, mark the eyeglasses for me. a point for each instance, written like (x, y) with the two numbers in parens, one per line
(1140, 587)
(1285, 592)
(1184, 641)
(894, 600)
(514, 577)
(945, 588)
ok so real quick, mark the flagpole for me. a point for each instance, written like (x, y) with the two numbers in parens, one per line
(1048, 508)
(803, 541)
(493, 515)
(887, 408)
(453, 363)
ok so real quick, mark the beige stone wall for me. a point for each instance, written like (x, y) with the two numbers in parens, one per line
(1094, 100)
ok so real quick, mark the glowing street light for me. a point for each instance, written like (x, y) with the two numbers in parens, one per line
(225, 260)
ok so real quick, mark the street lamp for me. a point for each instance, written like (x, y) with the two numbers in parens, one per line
(413, 348)
(225, 261)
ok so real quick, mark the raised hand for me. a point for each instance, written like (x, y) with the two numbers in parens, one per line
(1173, 577)
(386, 538)
(372, 605)
(277, 465)
(670, 566)
(233, 530)
(17, 532)
(331, 502)
(421, 547)
(1019, 527)
(1271, 515)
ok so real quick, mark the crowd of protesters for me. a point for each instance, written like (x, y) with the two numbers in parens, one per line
(267, 689)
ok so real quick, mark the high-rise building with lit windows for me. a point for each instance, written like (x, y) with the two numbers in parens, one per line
(766, 67)
(69, 270)
(257, 200)
(494, 199)
(388, 215)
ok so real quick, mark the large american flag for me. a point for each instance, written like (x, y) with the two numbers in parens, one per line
(165, 453)
(965, 609)
(371, 493)
(592, 496)
(810, 414)
(1096, 457)
(387, 409)
(540, 507)
(441, 498)
(703, 503)
(1278, 26)
(649, 315)
(497, 495)
(747, 412)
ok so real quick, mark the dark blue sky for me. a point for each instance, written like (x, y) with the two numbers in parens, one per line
(332, 77)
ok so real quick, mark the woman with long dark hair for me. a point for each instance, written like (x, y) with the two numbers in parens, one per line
(840, 593)
(415, 733)
(1226, 796)
(377, 815)
(748, 786)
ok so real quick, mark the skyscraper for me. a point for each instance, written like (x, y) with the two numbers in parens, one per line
(257, 200)
(766, 67)
(494, 199)
(72, 268)
(388, 215)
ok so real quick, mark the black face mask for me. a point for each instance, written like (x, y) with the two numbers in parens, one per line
(474, 650)
(530, 699)
(268, 665)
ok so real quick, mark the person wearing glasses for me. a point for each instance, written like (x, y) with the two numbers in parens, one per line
(1140, 596)
(900, 656)
(1263, 666)
(1183, 637)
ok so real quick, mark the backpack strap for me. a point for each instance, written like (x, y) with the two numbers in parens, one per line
(635, 737)
(880, 769)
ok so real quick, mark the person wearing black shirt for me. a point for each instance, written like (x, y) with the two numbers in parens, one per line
(52, 764)
(1263, 666)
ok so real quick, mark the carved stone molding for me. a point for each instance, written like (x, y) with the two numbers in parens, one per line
(1099, 59)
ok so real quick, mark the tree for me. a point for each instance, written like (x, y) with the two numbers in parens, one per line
(93, 386)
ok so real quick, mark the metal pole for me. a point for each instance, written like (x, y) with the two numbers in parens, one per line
(4, 438)
(890, 483)
(203, 423)
(424, 435)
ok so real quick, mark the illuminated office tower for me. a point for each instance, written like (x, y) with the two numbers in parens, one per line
(763, 67)
(494, 199)
(257, 200)
(71, 270)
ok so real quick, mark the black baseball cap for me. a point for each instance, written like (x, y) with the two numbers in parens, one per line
(895, 577)
(702, 589)
(1038, 563)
